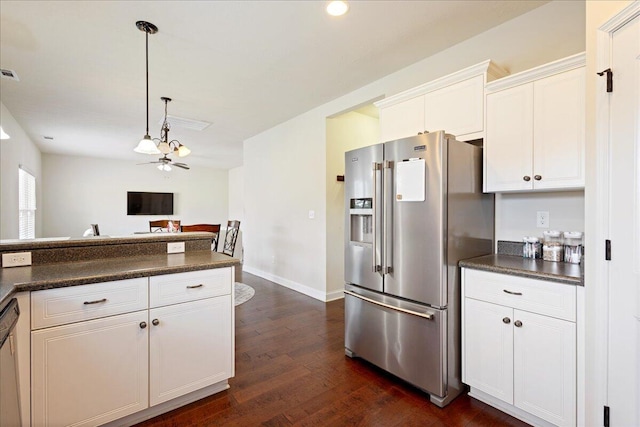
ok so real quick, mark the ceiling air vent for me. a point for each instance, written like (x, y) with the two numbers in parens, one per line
(186, 123)
(9, 74)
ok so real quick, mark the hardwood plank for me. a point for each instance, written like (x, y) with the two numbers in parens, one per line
(291, 371)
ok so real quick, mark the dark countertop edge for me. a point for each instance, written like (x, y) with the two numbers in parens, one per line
(518, 266)
(38, 285)
(27, 245)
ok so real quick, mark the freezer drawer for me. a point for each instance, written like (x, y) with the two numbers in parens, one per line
(405, 339)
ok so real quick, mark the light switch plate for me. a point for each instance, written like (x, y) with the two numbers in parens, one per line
(175, 247)
(16, 259)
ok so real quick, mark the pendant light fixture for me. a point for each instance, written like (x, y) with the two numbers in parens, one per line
(146, 144)
(164, 145)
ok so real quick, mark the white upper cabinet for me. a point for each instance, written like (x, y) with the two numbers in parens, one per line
(535, 129)
(453, 103)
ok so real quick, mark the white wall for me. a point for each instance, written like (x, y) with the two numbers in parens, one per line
(16, 151)
(236, 194)
(79, 191)
(345, 132)
(516, 213)
(285, 167)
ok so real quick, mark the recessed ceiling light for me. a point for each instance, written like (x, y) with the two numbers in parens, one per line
(337, 8)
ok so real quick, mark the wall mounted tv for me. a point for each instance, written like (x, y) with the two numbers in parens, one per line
(143, 203)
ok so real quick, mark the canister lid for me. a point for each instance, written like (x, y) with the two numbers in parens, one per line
(530, 239)
(552, 233)
(573, 234)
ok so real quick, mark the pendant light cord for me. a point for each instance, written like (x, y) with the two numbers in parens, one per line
(147, 73)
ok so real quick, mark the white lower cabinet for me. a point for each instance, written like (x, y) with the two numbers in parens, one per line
(89, 373)
(190, 347)
(94, 362)
(522, 358)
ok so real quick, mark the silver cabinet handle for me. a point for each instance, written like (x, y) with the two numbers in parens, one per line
(98, 301)
(506, 320)
(155, 322)
(195, 286)
(428, 316)
(375, 264)
(537, 177)
(517, 323)
(512, 293)
(143, 325)
(387, 224)
(526, 178)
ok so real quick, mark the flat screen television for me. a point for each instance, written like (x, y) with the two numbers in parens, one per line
(144, 203)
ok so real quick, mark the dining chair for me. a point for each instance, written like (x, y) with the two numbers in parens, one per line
(163, 225)
(209, 228)
(230, 238)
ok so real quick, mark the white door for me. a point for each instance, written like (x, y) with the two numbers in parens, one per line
(488, 358)
(90, 373)
(624, 228)
(544, 367)
(190, 347)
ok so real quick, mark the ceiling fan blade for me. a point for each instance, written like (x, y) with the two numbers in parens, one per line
(181, 165)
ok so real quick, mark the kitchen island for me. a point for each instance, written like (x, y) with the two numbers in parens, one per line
(107, 338)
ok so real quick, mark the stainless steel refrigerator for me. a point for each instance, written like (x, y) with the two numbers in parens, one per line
(414, 208)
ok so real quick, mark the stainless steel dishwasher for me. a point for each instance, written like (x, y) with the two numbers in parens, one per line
(9, 400)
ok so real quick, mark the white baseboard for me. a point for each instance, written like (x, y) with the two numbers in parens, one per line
(509, 409)
(298, 287)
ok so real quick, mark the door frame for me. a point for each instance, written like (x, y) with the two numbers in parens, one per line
(596, 368)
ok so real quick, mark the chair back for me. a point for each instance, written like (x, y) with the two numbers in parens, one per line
(209, 228)
(230, 238)
(163, 225)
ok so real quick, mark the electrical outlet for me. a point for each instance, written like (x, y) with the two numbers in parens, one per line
(542, 219)
(175, 247)
(16, 259)
(312, 214)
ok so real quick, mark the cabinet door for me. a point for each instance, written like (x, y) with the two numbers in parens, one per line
(91, 372)
(488, 350)
(559, 130)
(457, 109)
(191, 347)
(545, 367)
(508, 147)
(402, 120)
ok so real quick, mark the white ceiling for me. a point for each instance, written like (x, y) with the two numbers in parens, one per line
(244, 66)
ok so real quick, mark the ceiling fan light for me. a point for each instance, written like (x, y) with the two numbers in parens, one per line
(183, 150)
(337, 8)
(146, 146)
(164, 147)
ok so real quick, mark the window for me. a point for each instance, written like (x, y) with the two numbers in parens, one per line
(27, 204)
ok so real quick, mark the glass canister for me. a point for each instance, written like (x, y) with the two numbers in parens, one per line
(573, 247)
(531, 248)
(553, 248)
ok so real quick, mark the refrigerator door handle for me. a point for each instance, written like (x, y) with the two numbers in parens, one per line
(387, 227)
(428, 316)
(376, 264)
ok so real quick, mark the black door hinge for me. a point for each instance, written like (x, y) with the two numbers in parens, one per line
(609, 74)
(606, 416)
(607, 250)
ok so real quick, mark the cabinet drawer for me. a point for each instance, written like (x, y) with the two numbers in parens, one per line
(537, 296)
(181, 287)
(59, 306)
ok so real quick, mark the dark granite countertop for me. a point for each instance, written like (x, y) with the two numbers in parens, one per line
(58, 275)
(562, 272)
(65, 242)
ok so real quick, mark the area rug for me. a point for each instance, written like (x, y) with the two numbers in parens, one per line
(243, 293)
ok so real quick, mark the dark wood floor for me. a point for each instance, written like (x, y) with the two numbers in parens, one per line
(291, 370)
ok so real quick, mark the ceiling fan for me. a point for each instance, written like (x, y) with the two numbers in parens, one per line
(164, 164)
